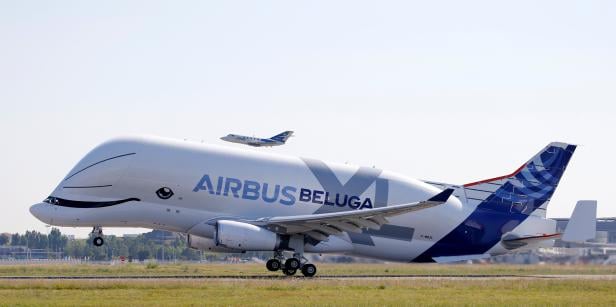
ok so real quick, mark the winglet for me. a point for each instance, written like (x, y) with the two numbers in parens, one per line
(442, 197)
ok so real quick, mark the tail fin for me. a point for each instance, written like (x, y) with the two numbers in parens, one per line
(527, 189)
(283, 137)
(582, 225)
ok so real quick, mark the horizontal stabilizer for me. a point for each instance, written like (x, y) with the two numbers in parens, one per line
(511, 241)
(582, 225)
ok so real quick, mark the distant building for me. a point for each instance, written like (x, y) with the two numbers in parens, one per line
(606, 230)
(156, 235)
(13, 252)
(161, 235)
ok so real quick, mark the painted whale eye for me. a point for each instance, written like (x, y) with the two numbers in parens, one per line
(164, 193)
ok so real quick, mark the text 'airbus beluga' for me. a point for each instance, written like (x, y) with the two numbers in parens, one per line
(231, 200)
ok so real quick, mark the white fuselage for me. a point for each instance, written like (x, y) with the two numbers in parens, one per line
(209, 182)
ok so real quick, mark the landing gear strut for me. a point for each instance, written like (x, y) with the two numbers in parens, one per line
(98, 236)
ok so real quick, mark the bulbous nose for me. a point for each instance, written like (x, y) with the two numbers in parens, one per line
(42, 212)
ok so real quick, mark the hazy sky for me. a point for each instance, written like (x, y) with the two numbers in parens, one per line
(454, 91)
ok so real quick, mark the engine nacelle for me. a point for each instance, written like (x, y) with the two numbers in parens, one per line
(243, 236)
(207, 244)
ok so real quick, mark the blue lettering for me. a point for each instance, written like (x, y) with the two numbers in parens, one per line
(208, 184)
(327, 202)
(367, 204)
(251, 190)
(341, 204)
(219, 185)
(270, 199)
(285, 195)
(288, 193)
(316, 197)
(304, 195)
(233, 185)
(354, 202)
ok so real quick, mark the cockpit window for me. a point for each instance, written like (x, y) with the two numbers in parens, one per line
(51, 200)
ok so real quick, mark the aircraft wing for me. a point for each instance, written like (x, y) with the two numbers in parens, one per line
(320, 226)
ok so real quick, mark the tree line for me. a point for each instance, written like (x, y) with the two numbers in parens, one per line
(139, 248)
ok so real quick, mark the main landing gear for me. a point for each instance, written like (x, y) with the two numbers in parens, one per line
(97, 232)
(289, 266)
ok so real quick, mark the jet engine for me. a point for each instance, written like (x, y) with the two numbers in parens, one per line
(207, 244)
(248, 237)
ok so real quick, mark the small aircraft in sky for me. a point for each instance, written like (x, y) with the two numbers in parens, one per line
(277, 140)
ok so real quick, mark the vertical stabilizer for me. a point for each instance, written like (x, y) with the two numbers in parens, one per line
(582, 225)
(282, 137)
(527, 189)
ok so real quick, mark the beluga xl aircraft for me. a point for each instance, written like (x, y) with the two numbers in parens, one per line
(234, 200)
(276, 140)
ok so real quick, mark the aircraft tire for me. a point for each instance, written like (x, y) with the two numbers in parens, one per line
(292, 264)
(309, 270)
(289, 272)
(273, 265)
(98, 241)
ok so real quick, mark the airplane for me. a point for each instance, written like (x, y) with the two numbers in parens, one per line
(276, 140)
(234, 200)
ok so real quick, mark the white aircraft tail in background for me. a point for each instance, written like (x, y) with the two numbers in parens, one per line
(276, 140)
(583, 223)
(582, 226)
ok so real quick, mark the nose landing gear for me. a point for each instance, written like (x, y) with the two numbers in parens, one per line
(98, 241)
(97, 231)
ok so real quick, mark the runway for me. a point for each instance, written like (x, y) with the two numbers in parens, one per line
(324, 277)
